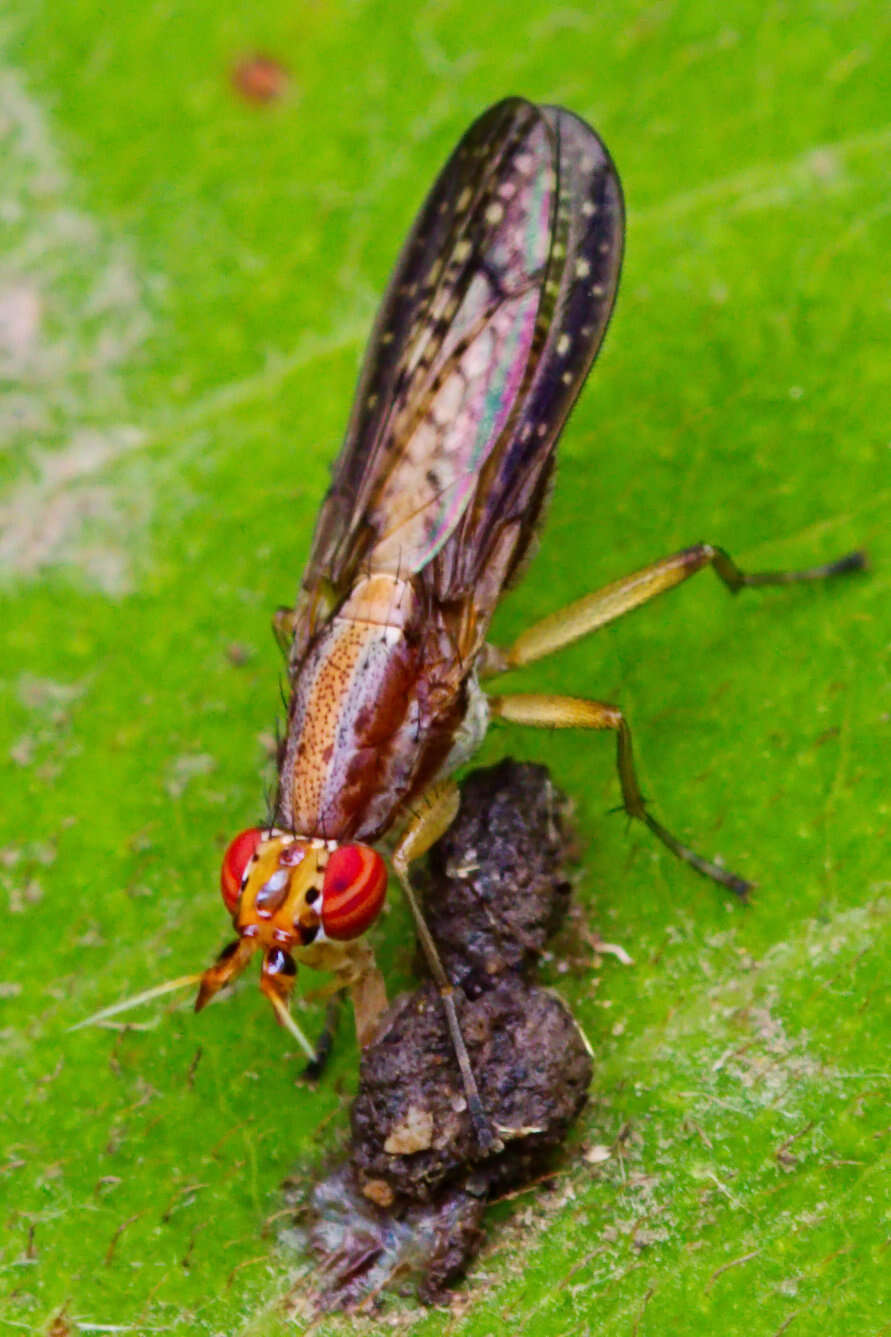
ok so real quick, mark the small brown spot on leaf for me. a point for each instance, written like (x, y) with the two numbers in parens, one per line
(259, 78)
(238, 654)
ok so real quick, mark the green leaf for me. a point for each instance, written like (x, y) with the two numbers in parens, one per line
(186, 282)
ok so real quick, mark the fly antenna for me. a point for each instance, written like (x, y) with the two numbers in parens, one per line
(157, 991)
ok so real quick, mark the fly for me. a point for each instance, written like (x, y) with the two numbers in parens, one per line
(497, 307)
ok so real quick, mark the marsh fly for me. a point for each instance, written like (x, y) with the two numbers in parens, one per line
(497, 307)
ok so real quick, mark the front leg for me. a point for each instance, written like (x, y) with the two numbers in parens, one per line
(368, 995)
(355, 972)
(435, 813)
(368, 992)
(284, 620)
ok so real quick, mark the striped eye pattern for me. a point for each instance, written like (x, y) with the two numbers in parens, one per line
(236, 859)
(353, 891)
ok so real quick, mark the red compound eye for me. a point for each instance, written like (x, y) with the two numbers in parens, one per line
(235, 861)
(352, 891)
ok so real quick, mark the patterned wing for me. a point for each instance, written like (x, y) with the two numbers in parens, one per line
(496, 308)
(577, 296)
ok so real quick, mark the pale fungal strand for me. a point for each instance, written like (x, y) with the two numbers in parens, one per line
(290, 1024)
(157, 991)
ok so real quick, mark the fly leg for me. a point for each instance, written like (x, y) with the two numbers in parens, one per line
(595, 610)
(325, 1043)
(572, 712)
(355, 973)
(367, 989)
(284, 620)
(606, 605)
(438, 809)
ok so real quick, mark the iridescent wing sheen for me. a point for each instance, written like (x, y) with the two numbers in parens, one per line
(577, 293)
(495, 311)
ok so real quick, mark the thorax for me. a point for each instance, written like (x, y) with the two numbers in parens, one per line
(357, 720)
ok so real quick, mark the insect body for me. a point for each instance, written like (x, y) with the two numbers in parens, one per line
(497, 307)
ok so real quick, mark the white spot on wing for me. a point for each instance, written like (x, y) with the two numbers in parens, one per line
(478, 357)
(448, 400)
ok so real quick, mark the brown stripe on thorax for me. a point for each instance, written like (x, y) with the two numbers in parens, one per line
(354, 722)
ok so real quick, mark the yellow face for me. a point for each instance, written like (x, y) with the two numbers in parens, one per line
(293, 896)
(279, 897)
